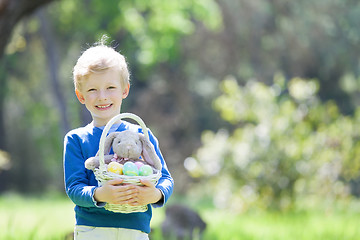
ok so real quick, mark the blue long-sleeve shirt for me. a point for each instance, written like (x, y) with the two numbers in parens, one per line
(80, 183)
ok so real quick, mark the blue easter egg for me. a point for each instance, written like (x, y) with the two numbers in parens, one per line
(130, 169)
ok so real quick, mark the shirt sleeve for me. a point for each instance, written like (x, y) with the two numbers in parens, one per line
(166, 182)
(77, 185)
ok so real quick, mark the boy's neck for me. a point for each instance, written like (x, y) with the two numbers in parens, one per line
(103, 125)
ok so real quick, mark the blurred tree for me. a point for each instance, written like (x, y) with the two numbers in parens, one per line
(53, 63)
(11, 12)
(178, 52)
(299, 38)
(148, 34)
(4, 160)
(284, 146)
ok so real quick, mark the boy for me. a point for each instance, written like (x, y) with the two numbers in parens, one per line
(101, 80)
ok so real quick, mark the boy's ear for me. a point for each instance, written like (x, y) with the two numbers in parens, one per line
(80, 96)
(126, 91)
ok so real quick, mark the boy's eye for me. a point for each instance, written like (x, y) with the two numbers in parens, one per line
(91, 90)
(111, 87)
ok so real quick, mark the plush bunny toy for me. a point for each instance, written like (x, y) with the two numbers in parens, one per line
(127, 146)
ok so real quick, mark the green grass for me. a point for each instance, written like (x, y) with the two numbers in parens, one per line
(35, 218)
(53, 218)
(277, 226)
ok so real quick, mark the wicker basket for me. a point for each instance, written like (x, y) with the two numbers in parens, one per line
(102, 175)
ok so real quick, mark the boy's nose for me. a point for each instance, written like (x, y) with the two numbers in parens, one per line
(102, 95)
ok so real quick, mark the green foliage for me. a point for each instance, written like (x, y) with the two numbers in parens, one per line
(284, 144)
(153, 28)
(310, 39)
(179, 50)
(148, 33)
(33, 136)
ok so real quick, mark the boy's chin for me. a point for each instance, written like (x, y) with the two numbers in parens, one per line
(106, 119)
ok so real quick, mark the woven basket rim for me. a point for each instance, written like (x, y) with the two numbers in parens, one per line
(107, 129)
(104, 176)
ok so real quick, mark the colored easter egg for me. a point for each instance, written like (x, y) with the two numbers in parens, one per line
(145, 170)
(139, 164)
(115, 167)
(130, 169)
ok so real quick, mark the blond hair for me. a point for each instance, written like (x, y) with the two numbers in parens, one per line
(97, 59)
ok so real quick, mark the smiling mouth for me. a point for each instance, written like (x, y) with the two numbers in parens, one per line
(104, 106)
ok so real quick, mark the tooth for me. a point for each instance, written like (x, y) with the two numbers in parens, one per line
(104, 106)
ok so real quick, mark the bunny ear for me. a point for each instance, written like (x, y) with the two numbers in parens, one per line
(149, 154)
(108, 142)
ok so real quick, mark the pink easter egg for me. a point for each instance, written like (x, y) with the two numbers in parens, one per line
(139, 164)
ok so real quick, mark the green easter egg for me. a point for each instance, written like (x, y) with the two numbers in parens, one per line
(145, 170)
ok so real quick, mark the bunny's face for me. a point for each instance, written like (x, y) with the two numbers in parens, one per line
(127, 145)
(131, 145)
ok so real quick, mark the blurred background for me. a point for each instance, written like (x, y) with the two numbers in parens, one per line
(255, 103)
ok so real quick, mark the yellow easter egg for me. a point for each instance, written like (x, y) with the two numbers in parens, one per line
(115, 167)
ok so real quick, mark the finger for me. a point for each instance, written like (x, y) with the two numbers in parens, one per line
(126, 189)
(131, 200)
(124, 194)
(124, 200)
(134, 203)
(147, 183)
(115, 182)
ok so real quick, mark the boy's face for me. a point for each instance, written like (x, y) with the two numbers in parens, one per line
(102, 94)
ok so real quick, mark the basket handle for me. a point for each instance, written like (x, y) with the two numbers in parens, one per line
(107, 128)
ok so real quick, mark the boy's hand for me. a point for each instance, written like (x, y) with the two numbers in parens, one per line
(113, 192)
(146, 194)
